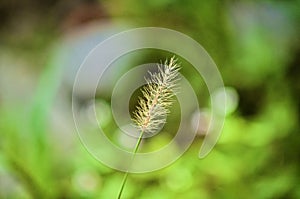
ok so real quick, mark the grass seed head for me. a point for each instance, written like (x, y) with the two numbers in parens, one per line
(158, 94)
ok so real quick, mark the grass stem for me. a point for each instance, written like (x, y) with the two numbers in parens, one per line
(127, 172)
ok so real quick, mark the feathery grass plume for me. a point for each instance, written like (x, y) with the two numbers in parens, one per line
(157, 98)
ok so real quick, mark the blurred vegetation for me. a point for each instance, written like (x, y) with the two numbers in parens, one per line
(255, 44)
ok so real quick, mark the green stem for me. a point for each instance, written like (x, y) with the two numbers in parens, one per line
(127, 172)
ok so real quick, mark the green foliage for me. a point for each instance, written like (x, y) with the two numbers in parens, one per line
(255, 47)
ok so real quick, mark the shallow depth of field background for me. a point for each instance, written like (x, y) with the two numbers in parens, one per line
(255, 46)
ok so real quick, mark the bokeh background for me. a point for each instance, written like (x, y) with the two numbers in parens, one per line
(255, 45)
